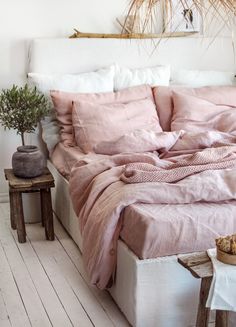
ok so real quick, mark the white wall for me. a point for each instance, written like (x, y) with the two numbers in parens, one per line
(24, 20)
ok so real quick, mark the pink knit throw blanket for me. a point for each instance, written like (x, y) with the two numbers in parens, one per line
(208, 159)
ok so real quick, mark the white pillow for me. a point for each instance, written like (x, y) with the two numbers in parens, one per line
(125, 77)
(93, 82)
(199, 78)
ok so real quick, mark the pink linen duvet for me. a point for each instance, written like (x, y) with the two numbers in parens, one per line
(182, 168)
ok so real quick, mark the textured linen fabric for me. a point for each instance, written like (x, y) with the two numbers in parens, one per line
(155, 274)
(200, 78)
(222, 293)
(163, 95)
(126, 77)
(64, 158)
(153, 230)
(139, 139)
(157, 230)
(168, 144)
(106, 197)
(193, 113)
(62, 102)
(208, 159)
(95, 123)
(96, 81)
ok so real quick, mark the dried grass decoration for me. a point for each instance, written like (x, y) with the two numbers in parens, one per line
(147, 11)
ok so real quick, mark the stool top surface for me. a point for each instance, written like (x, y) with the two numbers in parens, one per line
(44, 180)
(198, 263)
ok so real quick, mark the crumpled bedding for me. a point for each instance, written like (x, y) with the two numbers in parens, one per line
(99, 193)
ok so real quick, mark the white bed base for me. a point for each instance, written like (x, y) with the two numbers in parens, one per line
(151, 293)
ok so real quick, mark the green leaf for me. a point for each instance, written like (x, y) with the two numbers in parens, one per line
(22, 108)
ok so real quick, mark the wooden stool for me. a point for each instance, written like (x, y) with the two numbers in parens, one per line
(200, 266)
(17, 186)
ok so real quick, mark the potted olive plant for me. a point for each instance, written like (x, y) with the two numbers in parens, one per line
(21, 108)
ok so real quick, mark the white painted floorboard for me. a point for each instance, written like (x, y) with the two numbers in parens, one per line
(43, 283)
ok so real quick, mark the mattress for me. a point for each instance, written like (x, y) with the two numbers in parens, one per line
(154, 230)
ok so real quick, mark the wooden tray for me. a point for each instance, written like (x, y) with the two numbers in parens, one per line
(224, 257)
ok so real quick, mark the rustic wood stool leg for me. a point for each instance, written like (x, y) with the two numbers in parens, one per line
(221, 318)
(203, 312)
(42, 209)
(12, 215)
(47, 212)
(19, 216)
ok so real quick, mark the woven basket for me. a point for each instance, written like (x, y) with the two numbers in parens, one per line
(224, 257)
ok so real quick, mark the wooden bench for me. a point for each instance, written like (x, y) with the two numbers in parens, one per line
(200, 266)
(17, 186)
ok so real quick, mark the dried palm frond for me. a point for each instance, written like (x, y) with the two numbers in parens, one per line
(223, 10)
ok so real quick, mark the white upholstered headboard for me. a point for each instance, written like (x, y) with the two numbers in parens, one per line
(81, 55)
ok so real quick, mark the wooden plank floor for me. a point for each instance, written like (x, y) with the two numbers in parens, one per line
(43, 283)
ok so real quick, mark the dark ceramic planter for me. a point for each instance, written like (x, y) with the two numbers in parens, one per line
(28, 161)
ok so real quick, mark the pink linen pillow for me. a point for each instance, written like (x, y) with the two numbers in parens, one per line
(163, 96)
(164, 104)
(95, 123)
(63, 105)
(141, 140)
(194, 114)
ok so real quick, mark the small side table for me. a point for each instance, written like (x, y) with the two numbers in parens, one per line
(200, 266)
(17, 186)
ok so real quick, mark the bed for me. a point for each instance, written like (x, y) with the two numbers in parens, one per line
(145, 290)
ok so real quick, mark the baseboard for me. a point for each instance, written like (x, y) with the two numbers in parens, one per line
(4, 197)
